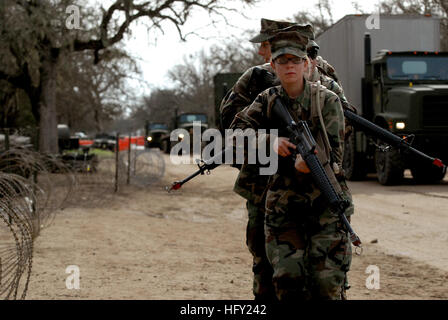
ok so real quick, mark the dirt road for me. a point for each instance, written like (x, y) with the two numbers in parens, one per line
(190, 244)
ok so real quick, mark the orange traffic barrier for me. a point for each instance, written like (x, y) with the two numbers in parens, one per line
(123, 143)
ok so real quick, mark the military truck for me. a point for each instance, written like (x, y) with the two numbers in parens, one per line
(154, 133)
(184, 121)
(404, 89)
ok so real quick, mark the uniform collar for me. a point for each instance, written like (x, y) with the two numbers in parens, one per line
(304, 99)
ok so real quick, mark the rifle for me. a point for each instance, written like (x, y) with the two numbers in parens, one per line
(388, 137)
(204, 167)
(300, 135)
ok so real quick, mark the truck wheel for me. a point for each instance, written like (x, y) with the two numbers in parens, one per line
(427, 174)
(389, 166)
(354, 163)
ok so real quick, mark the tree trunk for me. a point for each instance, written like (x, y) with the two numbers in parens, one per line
(48, 132)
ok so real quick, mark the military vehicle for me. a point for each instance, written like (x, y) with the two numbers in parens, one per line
(154, 133)
(403, 89)
(184, 121)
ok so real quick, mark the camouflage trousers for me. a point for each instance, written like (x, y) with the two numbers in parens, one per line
(263, 288)
(309, 259)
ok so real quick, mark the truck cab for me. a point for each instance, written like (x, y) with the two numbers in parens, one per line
(154, 133)
(185, 121)
(409, 97)
(402, 89)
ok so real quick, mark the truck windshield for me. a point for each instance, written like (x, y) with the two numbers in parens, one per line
(417, 68)
(155, 126)
(193, 117)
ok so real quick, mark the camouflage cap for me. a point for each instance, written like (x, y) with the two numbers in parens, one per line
(268, 28)
(292, 40)
(311, 42)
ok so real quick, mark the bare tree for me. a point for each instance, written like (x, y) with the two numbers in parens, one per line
(91, 96)
(194, 78)
(159, 106)
(33, 44)
(321, 21)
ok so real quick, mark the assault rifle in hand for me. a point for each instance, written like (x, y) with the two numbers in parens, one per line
(300, 135)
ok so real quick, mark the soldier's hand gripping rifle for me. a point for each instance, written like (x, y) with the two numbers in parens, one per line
(388, 137)
(300, 135)
(204, 167)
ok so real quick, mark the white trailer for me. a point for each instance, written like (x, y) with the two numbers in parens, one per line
(343, 44)
(397, 78)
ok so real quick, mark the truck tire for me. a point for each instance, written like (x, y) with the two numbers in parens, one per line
(354, 163)
(427, 174)
(389, 166)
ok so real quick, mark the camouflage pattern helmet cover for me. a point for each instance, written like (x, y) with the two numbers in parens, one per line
(292, 40)
(268, 28)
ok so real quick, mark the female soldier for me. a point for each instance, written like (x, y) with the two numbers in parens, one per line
(305, 242)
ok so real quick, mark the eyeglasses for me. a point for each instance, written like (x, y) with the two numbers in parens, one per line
(284, 60)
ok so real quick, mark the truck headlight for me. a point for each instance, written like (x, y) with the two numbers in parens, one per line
(149, 139)
(400, 125)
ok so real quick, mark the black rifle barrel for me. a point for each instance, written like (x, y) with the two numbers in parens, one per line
(387, 137)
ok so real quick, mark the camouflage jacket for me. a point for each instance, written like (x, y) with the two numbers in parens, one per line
(249, 184)
(327, 69)
(288, 186)
(239, 97)
(336, 87)
(330, 84)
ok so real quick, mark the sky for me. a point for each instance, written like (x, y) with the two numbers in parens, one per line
(156, 53)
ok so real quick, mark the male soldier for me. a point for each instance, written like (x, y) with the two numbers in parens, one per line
(250, 184)
(305, 242)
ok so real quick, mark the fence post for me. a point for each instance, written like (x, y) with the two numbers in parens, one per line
(117, 150)
(129, 161)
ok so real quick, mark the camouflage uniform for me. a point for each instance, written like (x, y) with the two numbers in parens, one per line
(250, 184)
(326, 74)
(327, 69)
(331, 84)
(305, 241)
